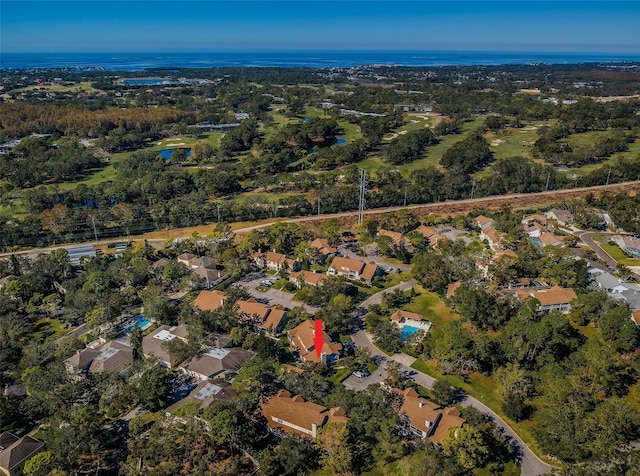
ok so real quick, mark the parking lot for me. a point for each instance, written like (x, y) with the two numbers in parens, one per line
(271, 296)
(356, 383)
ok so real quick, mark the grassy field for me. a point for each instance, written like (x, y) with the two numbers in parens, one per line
(83, 86)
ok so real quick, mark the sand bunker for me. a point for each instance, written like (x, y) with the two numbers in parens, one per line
(496, 142)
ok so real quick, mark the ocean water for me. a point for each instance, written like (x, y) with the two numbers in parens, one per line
(312, 59)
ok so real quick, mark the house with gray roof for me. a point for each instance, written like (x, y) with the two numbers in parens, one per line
(14, 452)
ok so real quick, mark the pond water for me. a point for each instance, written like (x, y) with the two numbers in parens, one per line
(166, 153)
(341, 141)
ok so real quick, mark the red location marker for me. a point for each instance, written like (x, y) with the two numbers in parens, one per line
(318, 339)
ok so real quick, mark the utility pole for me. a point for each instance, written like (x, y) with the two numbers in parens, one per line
(218, 207)
(318, 203)
(363, 188)
(95, 233)
(608, 177)
(405, 195)
(548, 178)
(473, 187)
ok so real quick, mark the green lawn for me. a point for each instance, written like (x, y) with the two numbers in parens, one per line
(430, 306)
(340, 375)
(619, 255)
(82, 86)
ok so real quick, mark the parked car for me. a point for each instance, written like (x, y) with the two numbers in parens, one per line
(361, 373)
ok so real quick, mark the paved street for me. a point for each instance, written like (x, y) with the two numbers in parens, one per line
(372, 256)
(588, 239)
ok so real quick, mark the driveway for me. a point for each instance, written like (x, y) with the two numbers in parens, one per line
(275, 296)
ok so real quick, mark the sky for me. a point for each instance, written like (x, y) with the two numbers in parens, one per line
(211, 26)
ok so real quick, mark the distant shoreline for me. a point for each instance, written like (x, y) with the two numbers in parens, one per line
(310, 59)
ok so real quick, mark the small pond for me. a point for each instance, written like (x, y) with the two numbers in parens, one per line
(166, 153)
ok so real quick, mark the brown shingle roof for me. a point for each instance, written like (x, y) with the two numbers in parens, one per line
(323, 247)
(550, 297)
(214, 361)
(274, 319)
(308, 277)
(302, 336)
(369, 271)
(115, 356)
(346, 265)
(636, 317)
(294, 410)
(428, 417)
(252, 308)
(209, 300)
(396, 238)
(426, 231)
(401, 314)
(483, 221)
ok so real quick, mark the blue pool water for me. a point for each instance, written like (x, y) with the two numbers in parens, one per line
(140, 321)
(341, 141)
(408, 331)
(166, 153)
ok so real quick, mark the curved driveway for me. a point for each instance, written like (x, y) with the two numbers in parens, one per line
(530, 464)
(588, 239)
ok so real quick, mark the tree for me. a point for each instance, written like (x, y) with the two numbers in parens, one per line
(443, 393)
(38, 465)
(333, 439)
(55, 219)
(154, 388)
(468, 445)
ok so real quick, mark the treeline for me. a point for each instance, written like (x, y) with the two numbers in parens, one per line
(37, 159)
(21, 119)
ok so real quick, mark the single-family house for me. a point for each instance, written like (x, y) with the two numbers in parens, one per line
(425, 418)
(563, 217)
(306, 277)
(205, 393)
(202, 262)
(628, 244)
(548, 239)
(114, 356)
(302, 342)
(396, 238)
(271, 319)
(437, 239)
(608, 282)
(493, 237)
(401, 316)
(552, 299)
(209, 300)
(485, 222)
(296, 416)
(323, 249)
(353, 269)
(15, 451)
(215, 362)
(154, 344)
(185, 259)
(276, 261)
(426, 231)
(210, 277)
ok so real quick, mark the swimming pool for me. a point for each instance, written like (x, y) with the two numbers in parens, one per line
(139, 321)
(408, 331)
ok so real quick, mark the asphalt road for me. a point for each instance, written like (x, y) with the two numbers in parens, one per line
(588, 239)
